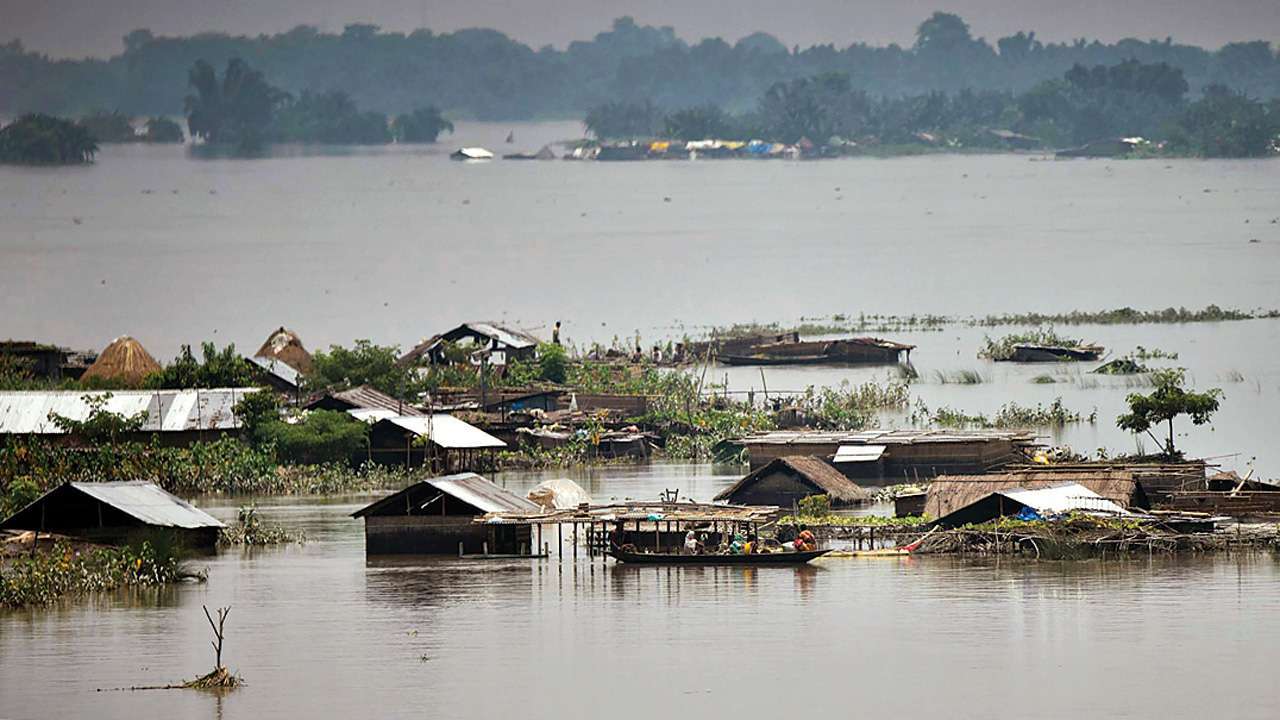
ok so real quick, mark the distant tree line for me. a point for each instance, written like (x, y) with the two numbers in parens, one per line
(243, 109)
(485, 74)
(1127, 99)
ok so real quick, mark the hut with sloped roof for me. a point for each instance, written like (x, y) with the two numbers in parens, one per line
(786, 481)
(438, 516)
(124, 361)
(949, 493)
(115, 511)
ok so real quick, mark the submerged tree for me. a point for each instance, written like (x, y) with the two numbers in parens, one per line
(236, 109)
(328, 117)
(46, 140)
(109, 127)
(1169, 400)
(423, 125)
(163, 130)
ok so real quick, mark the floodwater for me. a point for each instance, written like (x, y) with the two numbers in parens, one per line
(318, 631)
(396, 243)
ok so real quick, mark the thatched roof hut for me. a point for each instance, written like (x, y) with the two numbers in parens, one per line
(124, 360)
(285, 345)
(787, 480)
(950, 492)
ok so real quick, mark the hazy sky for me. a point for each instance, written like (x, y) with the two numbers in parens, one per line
(77, 28)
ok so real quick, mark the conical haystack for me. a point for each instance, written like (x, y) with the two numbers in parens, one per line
(125, 360)
(285, 346)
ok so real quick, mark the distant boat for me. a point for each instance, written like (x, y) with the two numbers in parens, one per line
(471, 153)
(511, 137)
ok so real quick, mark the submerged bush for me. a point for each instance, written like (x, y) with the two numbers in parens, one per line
(63, 570)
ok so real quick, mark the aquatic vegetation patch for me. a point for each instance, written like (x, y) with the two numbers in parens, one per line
(1128, 316)
(1011, 415)
(64, 570)
(249, 529)
(1003, 348)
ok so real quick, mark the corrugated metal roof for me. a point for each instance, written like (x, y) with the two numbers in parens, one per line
(1063, 498)
(149, 503)
(506, 336)
(859, 453)
(278, 368)
(167, 410)
(372, 415)
(479, 492)
(447, 431)
(467, 487)
(367, 397)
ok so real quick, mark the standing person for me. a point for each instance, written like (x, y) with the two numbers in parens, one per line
(555, 334)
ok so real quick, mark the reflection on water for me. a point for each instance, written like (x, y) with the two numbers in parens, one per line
(321, 631)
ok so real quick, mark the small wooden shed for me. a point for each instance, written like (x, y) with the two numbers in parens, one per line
(111, 512)
(437, 517)
(787, 480)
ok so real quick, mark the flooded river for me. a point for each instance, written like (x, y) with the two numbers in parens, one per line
(318, 631)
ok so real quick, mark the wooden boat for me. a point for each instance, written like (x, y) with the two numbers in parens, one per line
(817, 352)
(778, 558)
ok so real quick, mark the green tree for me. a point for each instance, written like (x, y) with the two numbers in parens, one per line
(321, 436)
(423, 125)
(236, 109)
(1169, 400)
(46, 140)
(256, 412)
(1225, 123)
(616, 120)
(100, 424)
(217, 369)
(699, 123)
(365, 364)
(553, 363)
(328, 117)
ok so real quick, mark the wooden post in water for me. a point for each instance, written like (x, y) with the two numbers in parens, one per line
(575, 541)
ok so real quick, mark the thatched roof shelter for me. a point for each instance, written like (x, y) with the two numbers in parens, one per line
(786, 480)
(125, 360)
(948, 493)
(285, 345)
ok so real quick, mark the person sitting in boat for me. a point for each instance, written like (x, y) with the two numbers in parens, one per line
(805, 541)
(691, 544)
(618, 537)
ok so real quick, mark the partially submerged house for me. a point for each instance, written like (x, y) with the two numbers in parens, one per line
(124, 361)
(437, 516)
(1031, 504)
(880, 457)
(441, 442)
(1029, 352)
(501, 343)
(112, 512)
(949, 493)
(786, 481)
(792, 351)
(177, 417)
